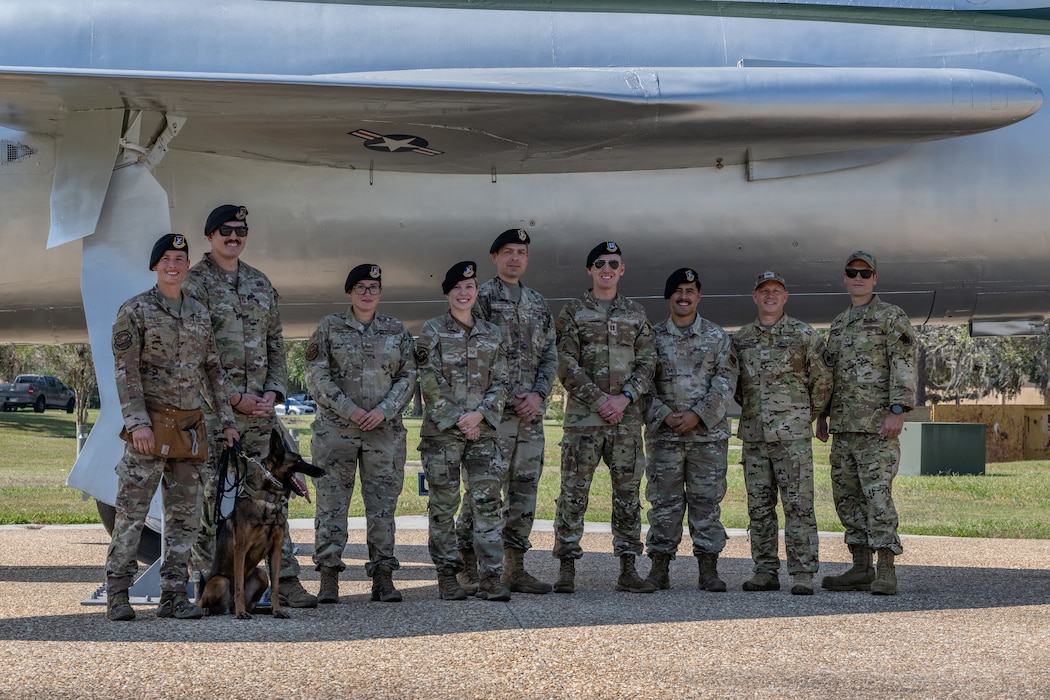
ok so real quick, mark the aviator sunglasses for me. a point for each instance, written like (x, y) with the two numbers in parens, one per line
(239, 231)
(866, 274)
(613, 264)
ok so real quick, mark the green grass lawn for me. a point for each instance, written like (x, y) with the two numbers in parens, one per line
(38, 450)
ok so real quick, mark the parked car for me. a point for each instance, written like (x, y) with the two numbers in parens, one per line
(304, 399)
(292, 407)
(38, 391)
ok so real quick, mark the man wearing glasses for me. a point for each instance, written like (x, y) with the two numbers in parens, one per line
(361, 371)
(687, 434)
(606, 361)
(247, 327)
(871, 350)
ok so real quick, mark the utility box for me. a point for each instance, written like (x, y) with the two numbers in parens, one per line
(941, 448)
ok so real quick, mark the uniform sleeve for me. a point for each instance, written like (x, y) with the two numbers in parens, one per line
(496, 395)
(644, 367)
(276, 361)
(318, 372)
(576, 381)
(404, 376)
(436, 391)
(712, 407)
(819, 374)
(127, 362)
(548, 364)
(900, 355)
(217, 382)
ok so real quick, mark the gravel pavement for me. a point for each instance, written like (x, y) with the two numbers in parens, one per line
(972, 620)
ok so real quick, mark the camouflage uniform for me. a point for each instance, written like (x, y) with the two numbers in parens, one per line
(351, 366)
(160, 356)
(462, 371)
(872, 351)
(696, 371)
(527, 327)
(598, 352)
(247, 327)
(784, 385)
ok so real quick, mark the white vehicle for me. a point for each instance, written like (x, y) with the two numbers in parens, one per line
(292, 407)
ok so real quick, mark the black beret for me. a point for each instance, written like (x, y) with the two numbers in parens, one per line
(683, 275)
(511, 235)
(606, 248)
(169, 241)
(220, 215)
(364, 271)
(465, 270)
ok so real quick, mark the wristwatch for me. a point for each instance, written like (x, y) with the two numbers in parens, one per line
(897, 409)
(628, 394)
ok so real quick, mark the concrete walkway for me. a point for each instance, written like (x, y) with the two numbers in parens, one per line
(972, 620)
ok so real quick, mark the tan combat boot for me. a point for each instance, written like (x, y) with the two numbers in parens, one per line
(629, 579)
(762, 582)
(708, 580)
(856, 578)
(118, 609)
(449, 589)
(468, 578)
(383, 585)
(566, 582)
(659, 574)
(329, 591)
(802, 584)
(885, 582)
(293, 595)
(176, 604)
(516, 578)
(491, 588)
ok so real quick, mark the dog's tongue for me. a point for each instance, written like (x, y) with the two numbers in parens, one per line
(300, 487)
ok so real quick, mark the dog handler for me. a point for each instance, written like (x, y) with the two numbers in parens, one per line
(361, 371)
(162, 344)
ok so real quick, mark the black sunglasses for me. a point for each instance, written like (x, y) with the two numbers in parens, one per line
(239, 231)
(613, 264)
(866, 274)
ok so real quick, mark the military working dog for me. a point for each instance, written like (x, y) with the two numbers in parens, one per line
(254, 530)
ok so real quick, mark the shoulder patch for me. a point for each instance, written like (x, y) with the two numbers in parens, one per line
(906, 339)
(422, 354)
(312, 351)
(829, 358)
(122, 340)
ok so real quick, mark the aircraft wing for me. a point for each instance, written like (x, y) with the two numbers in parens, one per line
(535, 120)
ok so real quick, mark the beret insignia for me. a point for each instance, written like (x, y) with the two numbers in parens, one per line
(611, 247)
(178, 243)
(241, 214)
(374, 272)
(122, 340)
(522, 236)
(690, 275)
(468, 271)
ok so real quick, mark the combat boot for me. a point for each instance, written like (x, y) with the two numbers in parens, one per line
(659, 574)
(629, 579)
(176, 604)
(566, 582)
(856, 578)
(468, 578)
(802, 584)
(449, 589)
(492, 589)
(709, 580)
(293, 595)
(516, 578)
(383, 585)
(329, 591)
(885, 582)
(762, 582)
(118, 609)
